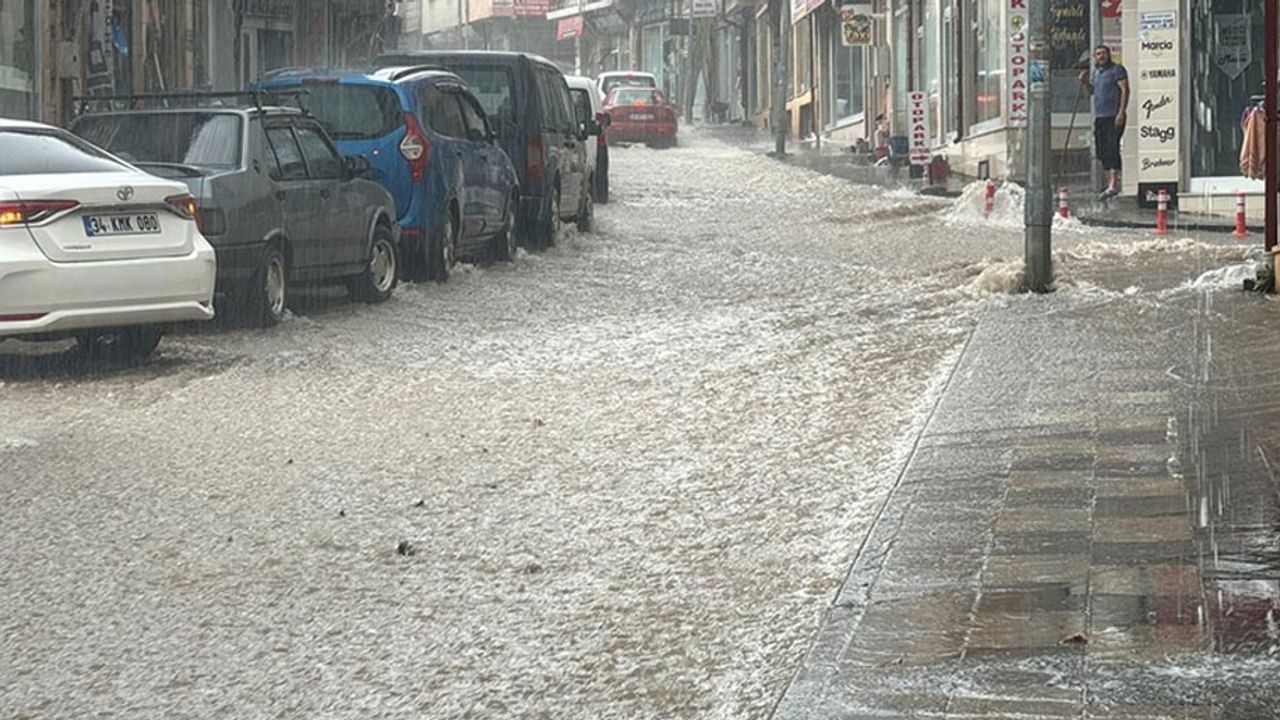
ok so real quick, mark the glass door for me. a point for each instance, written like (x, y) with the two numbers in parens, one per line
(1226, 72)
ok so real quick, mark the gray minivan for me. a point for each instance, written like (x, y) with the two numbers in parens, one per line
(275, 199)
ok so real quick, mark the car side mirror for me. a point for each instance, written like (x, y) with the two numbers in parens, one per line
(476, 135)
(594, 128)
(359, 168)
(604, 119)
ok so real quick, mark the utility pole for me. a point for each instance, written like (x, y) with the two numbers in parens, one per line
(781, 20)
(1095, 39)
(1271, 65)
(1038, 210)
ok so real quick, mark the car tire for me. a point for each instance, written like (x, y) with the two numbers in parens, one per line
(444, 248)
(587, 212)
(269, 292)
(131, 344)
(376, 282)
(548, 229)
(504, 246)
(602, 180)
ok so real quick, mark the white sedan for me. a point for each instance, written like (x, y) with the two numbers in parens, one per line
(94, 248)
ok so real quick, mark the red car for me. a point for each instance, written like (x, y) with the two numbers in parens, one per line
(641, 114)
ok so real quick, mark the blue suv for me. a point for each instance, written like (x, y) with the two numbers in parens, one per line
(455, 190)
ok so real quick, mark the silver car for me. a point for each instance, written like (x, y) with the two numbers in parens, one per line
(278, 203)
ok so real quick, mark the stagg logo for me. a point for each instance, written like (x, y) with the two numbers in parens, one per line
(1161, 134)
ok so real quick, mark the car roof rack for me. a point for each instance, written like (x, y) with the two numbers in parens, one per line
(185, 99)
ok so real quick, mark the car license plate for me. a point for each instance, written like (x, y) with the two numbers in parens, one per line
(642, 116)
(135, 224)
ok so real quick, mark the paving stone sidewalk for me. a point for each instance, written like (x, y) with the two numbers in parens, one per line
(1087, 528)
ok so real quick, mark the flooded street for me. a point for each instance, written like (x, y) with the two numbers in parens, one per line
(622, 478)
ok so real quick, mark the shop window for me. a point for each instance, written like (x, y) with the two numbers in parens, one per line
(988, 61)
(1226, 73)
(846, 90)
(800, 56)
(17, 59)
(1070, 38)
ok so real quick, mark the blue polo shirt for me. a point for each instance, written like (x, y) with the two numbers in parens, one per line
(1106, 89)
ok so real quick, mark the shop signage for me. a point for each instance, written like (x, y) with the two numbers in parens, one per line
(1018, 61)
(1157, 109)
(569, 28)
(855, 25)
(919, 104)
(531, 8)
(702, 8)
(270, 9)
(1234, 51)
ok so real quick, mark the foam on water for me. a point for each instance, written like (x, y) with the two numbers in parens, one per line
(1007, 212)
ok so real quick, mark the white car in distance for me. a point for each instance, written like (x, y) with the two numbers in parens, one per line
(93, 248)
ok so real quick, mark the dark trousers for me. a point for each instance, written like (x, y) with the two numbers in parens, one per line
(1106, 142)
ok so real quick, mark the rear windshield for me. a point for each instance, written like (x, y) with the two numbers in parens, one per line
(353, 112)
(613, 81)
(34, 152)
(199, 139)
(492, 87)
(639, 96)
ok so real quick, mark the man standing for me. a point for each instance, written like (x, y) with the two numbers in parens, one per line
(1110, 87)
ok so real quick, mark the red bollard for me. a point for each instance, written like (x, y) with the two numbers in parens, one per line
(1162, 212)
(1240, 226)
(1064, 211)
(991, 197)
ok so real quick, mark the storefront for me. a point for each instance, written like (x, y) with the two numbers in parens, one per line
(19, 80)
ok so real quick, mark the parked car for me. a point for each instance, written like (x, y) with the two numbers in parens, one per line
(456, 191)
(94, 248)
(528, 102)
(274, 197)
(641, 115)
(589, 104)
(624, 78)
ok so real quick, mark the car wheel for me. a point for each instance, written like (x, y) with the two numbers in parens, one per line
(602, 181)
(269, 293)
(379, 277)
(120, 345)
(587, 213)
(504, 246)
(444, 248)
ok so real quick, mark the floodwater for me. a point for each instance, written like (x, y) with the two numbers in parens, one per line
(631, 471)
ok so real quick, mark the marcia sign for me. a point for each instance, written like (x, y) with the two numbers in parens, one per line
(919, 128)
(1016, 95)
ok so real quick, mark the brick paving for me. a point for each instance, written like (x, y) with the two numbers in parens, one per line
(1047, 551)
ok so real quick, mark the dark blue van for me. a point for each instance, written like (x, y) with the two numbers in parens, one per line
(455, 190)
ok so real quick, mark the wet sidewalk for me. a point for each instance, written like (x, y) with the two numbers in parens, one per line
(1087, 528)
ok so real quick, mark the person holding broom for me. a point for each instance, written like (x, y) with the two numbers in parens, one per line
(1109, 84)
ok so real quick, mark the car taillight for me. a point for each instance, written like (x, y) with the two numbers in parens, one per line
(533, 158)
(184, 205)
(415, 147)
(32, 211)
